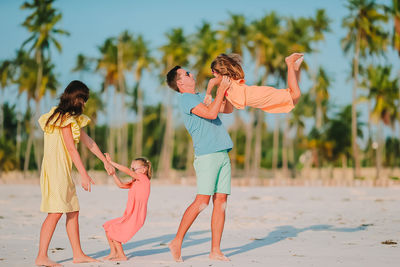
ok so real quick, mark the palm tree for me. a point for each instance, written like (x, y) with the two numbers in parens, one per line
(143, 61)
(206, 47)
(92, 108)
(26, 79)
(382, 89)
(234, 32)
(262, 37)
(365, 33)
(6, 73)
(41, 23)
(83, 65)
(175, 52)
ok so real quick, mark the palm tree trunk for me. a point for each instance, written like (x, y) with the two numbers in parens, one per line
(379, 151)
(275, 152)
(258, 144)
(18, 140)
(139, 123)
(285, 168)
(92, 128)
(356, 170)
(1, 114)
(249, 139)
(122, 149)
(233, 153)
(164, 166)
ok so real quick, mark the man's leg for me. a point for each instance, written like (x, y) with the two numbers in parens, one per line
(191, 213)
(217, 226)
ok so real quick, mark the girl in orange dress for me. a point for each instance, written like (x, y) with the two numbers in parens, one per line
(121, 229)
(266, 98)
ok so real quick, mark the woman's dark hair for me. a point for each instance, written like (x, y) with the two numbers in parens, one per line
(72, 101)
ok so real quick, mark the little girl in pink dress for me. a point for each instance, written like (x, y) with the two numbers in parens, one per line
(266, 98)
(121, 229)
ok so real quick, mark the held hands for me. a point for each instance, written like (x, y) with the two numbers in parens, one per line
(107, 165)
(86, 182)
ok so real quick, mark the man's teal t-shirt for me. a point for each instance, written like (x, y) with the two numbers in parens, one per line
(209, 136)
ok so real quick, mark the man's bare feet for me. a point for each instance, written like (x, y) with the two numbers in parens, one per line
(119, 258)
(292, 59)
(218, 256)
(175, 251)
(110, 256)
(84, 259)
(45, 261)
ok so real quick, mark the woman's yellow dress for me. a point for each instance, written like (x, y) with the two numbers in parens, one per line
(57, 186)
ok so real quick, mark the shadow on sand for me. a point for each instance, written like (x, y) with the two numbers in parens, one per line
(277, 235)
(160, 243)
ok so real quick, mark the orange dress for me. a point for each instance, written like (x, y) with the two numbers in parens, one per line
(124, 228)
(266, 98)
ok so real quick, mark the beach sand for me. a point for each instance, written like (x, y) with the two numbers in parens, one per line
(265, 226)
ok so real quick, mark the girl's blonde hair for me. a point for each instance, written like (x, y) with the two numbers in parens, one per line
(147, 164)
(228, 65)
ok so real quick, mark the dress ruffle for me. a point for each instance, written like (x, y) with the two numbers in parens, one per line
(76, 122)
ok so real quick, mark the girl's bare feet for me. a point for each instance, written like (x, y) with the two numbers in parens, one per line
(293, 59)
(45, 261)
(83, 259)
(175, 251)
(298, 62)
(218, 256)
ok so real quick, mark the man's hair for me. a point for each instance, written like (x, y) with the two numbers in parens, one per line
(172, 76)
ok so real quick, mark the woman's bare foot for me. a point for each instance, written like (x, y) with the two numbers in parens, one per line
(292, 59)
(175, 251)
(218, 256)
(109, 257)
(45, 261)
(83, 259)
(119, 258)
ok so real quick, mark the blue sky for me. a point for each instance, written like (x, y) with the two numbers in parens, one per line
(90, 22)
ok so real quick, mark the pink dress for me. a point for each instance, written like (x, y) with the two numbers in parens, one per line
(124, 228)
(267, 98)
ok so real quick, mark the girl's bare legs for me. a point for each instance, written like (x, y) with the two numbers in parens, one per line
(191, 213)
(120, 252)
(217, 226)
(297, 65)
(113, 250)
(46, 233)
(73, 235)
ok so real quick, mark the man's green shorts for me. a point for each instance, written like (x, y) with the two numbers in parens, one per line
(213, 173)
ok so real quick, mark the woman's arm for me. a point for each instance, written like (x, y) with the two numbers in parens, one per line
(86, 181)
(121, 184)
(92, 146)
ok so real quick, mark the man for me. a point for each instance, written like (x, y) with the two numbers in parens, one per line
(211, 144)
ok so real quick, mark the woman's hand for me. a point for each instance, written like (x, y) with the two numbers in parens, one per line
(86, 182)
(107, 165)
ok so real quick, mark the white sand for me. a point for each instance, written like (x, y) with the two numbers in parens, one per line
(265, 226)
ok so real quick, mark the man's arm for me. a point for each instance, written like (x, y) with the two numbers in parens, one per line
(211, 112)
